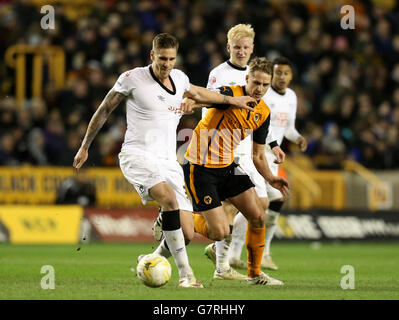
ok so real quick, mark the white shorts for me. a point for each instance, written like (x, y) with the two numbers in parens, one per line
(249, 168)
(144, 171)
(262, 188)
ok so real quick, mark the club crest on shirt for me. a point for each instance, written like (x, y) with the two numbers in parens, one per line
(257, 117)
(161, 98)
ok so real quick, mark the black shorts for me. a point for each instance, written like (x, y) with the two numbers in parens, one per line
(209, 186)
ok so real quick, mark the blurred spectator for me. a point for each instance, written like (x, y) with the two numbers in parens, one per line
(54, 139)
(331, 143)
(68, 154)
(314, 140)
(346, 77)
(36, 148)
(7, 150)
(77, 190)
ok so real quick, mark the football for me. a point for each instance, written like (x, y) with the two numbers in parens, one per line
(154, 270)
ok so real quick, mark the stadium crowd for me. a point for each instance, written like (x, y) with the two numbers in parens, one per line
(346, 80)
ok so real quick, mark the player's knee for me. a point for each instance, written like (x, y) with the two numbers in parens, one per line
(218, 233)
(168, 203)
(258, 219)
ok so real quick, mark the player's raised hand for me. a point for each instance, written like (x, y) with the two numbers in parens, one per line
(244, 102)
(280, 155)
(281, 184)
(80, 158)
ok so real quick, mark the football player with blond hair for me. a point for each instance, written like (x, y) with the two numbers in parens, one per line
(212, 175)
(240, 45)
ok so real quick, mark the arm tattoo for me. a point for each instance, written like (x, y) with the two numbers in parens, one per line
(110, 102)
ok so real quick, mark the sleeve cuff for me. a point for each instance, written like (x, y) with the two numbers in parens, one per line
(273, 144)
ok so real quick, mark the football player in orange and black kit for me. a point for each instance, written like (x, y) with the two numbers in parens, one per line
(211, 175)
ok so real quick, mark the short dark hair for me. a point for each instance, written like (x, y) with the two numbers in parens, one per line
(165, 41)
(282, 60)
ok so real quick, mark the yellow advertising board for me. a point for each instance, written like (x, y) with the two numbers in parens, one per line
(42, 224)
(39, 185)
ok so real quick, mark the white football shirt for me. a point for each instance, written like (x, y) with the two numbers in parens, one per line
(227, 74)
(152, 111)
(282, 114)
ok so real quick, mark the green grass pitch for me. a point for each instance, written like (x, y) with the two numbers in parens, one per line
(102, 271)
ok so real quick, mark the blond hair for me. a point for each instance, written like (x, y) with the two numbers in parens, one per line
(240, 31)
(260, 64)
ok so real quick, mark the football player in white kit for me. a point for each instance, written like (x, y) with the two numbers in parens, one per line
(234, 72)
(148, 156)
(282, 102)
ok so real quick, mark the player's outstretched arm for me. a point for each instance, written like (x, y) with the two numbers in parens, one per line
(188, 105)
(202, 95)
(110, 102)
(260, 162)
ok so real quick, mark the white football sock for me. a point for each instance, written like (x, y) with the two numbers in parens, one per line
(222, 253)
(163, 250)
(271, 226)
(238, 236)
(177, 247)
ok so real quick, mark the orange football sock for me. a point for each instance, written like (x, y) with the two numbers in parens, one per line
(200, 225)
(255, 242)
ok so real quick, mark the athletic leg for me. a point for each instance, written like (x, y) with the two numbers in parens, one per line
(222, 246)
(187, 225)
(166, 198)
(271, 225)
(238, 237)
(218, 228)
(203, 185)
(251, 207)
